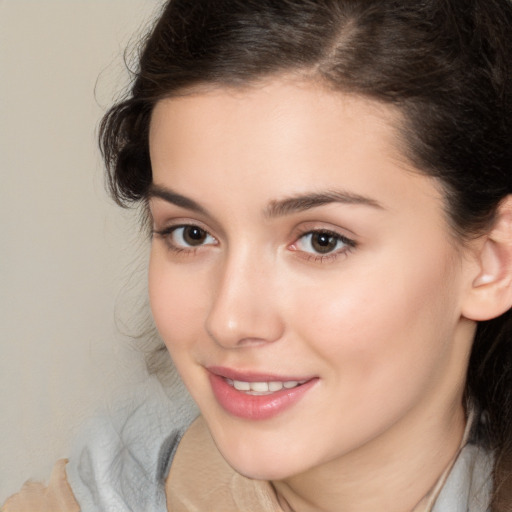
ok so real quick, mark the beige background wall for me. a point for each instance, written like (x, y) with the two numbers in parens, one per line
(67, 254)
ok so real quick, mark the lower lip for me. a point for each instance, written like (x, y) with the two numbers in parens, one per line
(256, 407)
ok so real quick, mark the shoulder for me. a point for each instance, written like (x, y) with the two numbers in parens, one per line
(121, 458)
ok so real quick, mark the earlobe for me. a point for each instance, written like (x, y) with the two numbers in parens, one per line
(491, 290)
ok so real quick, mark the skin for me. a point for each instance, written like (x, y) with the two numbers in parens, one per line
(379, 321)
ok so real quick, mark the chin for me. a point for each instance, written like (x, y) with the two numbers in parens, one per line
(259, 451)
(261, 464)
(263, 472)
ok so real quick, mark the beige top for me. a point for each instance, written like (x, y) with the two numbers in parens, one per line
(35, 497)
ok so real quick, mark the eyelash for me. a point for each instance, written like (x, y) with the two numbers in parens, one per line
(349, 244)
(166, 235)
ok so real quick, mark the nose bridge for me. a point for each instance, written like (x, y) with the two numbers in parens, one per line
(243, 307)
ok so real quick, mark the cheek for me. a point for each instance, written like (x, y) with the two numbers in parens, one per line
(177, 303)
(388, 323)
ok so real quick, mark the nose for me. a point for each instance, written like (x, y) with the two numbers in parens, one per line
(244, 307)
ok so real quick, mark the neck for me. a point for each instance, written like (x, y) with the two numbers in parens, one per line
(377, 476)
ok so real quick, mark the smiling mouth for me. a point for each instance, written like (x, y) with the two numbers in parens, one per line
(264, 387)
(256, 396)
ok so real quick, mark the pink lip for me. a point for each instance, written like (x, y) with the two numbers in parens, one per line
(229, 373)
(255, 407)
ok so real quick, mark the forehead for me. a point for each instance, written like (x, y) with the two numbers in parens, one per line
(280, 115)
(293, 100)
(278, 139)
(276, 110)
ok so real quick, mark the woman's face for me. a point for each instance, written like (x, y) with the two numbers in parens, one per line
(302, 276)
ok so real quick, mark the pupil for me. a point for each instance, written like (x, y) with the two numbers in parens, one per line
(194, 235)
(323, 242)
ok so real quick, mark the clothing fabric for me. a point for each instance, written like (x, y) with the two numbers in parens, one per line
(35, 497)
(122, 463)
(121, 460)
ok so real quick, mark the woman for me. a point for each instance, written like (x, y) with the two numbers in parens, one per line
(328, 184)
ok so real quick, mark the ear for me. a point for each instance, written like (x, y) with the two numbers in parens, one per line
(491, 289)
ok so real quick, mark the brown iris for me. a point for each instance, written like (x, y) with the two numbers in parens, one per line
(192, 235)
(323, 242)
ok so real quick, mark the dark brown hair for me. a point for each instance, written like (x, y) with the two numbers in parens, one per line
(445, 64)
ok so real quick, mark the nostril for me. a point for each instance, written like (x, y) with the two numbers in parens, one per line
(241, 328)
(244, 310)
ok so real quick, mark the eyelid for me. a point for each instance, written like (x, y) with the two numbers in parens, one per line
(349, 243)
(345, 239)
(326, 227)
(164, 214)
(167, 224)
(165, 233)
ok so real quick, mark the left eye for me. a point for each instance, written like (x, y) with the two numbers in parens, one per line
(190, 236)
(322, 242)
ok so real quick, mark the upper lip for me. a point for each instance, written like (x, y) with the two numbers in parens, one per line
(253, 376)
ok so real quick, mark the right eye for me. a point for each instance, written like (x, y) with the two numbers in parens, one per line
(191, 236)
(186, 237)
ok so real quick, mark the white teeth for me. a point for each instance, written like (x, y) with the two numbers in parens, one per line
(259, 387)
(275, 386)
(241, 386)
(263, 387)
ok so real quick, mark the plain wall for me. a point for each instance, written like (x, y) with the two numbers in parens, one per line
(67, 253)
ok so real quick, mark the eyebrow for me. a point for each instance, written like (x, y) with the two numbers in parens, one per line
(304, 202)
(174, 198)
(277, 208)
